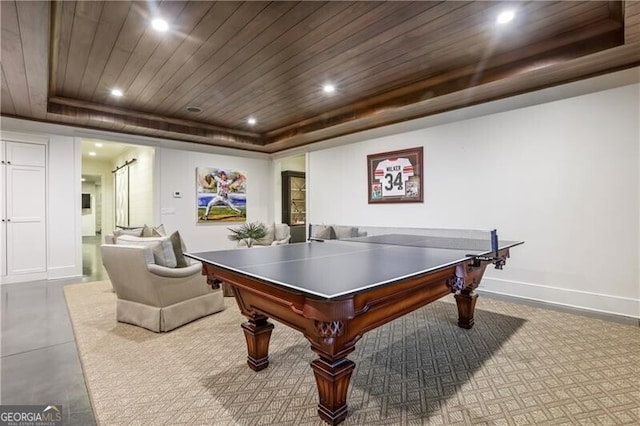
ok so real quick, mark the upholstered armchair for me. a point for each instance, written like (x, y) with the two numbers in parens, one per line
(156, 297)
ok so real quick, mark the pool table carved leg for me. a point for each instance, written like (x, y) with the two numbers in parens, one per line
(332, 379)
(257, 331)
(466, 301)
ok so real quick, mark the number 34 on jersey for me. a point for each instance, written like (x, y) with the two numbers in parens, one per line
(393, 175)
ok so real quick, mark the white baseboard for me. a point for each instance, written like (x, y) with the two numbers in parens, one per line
(20, 278)
(596, 302)
(58, 272)
(70, 271)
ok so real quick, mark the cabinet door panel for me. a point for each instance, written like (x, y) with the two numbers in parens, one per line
(3, 217)
(25, 226)
(3, 228)
(25, 154)
(26, 248)
(25, 194)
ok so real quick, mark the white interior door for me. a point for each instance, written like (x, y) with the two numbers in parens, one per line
(25, 216)
(3, 215)
(122, 197)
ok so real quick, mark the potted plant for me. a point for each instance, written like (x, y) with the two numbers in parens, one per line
(248, 232)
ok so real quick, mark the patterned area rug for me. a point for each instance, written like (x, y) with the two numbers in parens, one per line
(518, 365)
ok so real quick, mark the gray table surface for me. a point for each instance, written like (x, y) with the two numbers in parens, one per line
(333, 268)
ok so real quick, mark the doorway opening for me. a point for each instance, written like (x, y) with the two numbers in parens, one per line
(117, 192)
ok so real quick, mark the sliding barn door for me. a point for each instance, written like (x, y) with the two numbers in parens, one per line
(122, 197)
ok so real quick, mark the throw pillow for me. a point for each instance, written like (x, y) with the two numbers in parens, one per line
(322, 232)
(178, 249)
(281, 231)
(345, 232)
(148, 255)
(268, 239)
(161, 247)
(153, 231)
(136, 232)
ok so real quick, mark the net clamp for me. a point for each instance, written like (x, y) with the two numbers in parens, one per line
(498, 261)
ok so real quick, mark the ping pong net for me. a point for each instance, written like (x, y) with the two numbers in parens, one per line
(473, 241)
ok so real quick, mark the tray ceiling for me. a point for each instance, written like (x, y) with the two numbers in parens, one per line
(388, 61)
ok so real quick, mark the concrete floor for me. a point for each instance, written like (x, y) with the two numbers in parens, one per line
(39, 363)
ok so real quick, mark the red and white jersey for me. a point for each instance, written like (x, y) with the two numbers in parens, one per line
(223, 186)
(393, 175)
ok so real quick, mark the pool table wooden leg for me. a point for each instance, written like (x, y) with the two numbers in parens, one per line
(332, 379)
(257, 331)
(466, 301)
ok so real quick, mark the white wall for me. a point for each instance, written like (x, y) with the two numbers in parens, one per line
(563, 176)
(64, 253)
(176, 172)
(173, 170)
(296, 163)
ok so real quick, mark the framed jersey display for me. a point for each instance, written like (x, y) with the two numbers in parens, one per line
(395, 177)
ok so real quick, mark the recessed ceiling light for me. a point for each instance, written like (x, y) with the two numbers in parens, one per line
(506, 16)
(92, 154)
(83, 179)
(194, 109)
(251, 121)
(328, 88)
(159, 24)
(116, 92)
(98, 144)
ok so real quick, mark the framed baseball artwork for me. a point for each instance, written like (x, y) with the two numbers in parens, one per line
(221, 195)
(395, 176)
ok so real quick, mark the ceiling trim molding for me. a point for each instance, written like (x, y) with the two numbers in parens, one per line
(599, 63)
(102, 116)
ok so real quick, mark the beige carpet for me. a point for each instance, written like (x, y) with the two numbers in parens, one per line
(519, 365)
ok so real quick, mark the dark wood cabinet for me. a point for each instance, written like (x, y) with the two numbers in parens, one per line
(294, 203)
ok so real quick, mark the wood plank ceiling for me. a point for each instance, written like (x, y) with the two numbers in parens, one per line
(389, 62)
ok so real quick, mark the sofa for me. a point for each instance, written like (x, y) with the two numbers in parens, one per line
(157, 287)
(334, 232)
(277, 234)
(145, 231)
